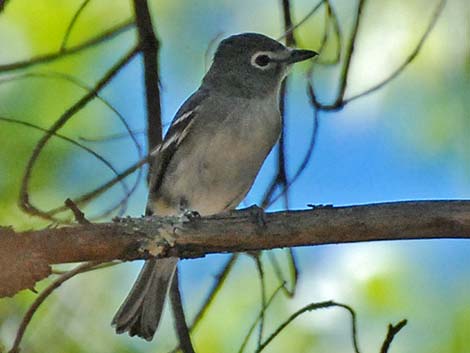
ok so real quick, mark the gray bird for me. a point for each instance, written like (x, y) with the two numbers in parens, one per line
(210, 157)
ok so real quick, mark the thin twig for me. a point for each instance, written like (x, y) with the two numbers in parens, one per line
(219, 281)
(178, 313)
(79, 215)
(311, 307)
(97, 267)
(74, 19)
(83, 199)
(71, 141)
(111, 137)
(293, 271)
(122, 203)
(344, 75)
(215, 289)
(391, 333)
(309, 14)
(24, 201)
(349, 53)
(435, 16)
(82, 85)
(42, 297)
(306, 159)
(340, 101)
(280, 179)
(260, 314)
(259, 267)
(93, 42)
(268, 199)
(61, 76)
(331, 19)
(282, 161)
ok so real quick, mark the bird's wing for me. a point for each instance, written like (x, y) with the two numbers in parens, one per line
(178, 130)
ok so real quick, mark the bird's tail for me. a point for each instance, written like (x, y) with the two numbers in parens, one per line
(140, 313)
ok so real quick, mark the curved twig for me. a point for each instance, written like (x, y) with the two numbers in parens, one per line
(294, 272)
(57, 75)
(42, 297)
(215, 289)
(41, 59)
(391, 333)
(305, 161)
(74, 19)
(311, 307)
(73, 142)
(128, 192)
(24, 201)
(259, 268)
(309, 14)
(261, 313)
(435, 16)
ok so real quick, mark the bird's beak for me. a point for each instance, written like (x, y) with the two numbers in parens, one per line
(297, 55)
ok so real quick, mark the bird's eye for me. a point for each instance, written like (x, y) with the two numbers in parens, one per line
(260, 60)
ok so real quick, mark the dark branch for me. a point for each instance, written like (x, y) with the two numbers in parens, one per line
(309, 14)
(104, 187)
(181, 327)
(349, 52)
(313, 307)
(78, 214)
(3, 3)
(71, 141)
(280, 179)
(258, 318)
(436, 13)
(149, 46)
(72, 23)
(24, 200)
(392, 332)
(42, 297)
(212, 293)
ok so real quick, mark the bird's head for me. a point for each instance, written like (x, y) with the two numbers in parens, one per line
(250, 64)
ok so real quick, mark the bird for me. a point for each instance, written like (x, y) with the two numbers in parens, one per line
(211, 155)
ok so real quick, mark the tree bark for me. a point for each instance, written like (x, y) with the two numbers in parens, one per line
(25, 254)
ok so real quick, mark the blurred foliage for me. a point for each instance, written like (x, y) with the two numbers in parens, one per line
(425, 110)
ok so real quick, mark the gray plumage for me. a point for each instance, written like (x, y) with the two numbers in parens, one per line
(210, 157)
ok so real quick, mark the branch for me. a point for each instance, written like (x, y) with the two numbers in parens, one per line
(178, 313)
(391, 333)
(72, 23)
(92, 42)
(435, 16)
(150, 46)
(42, 297)
(2, 5)
(313, 307)
(141, 238)
(24, 197)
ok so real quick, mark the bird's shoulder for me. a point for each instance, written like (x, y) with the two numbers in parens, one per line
(179, 128)
(184, 117)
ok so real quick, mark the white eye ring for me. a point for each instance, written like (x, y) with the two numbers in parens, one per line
(261, 60)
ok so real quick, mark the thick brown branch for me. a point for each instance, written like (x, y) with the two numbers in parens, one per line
(138, 238)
